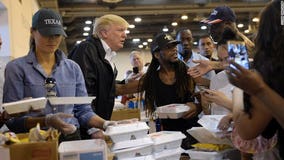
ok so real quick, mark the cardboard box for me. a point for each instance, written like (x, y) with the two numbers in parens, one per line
(33, 150)
(125, 113)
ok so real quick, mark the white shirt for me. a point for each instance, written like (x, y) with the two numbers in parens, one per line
(109, 53)
(221, 83)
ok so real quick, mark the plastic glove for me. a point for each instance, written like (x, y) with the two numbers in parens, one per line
(55, 121)
(109, 123)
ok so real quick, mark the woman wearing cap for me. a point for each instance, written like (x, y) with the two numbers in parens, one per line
(26, 76)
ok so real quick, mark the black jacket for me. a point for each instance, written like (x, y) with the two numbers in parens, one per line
(98, 73)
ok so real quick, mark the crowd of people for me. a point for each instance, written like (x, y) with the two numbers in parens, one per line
(207, 82)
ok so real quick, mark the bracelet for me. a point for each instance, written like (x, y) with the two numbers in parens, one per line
(92, 130)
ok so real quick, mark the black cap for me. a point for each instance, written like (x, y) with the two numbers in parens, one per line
(219, 14)
(48, 22)
(161, 41)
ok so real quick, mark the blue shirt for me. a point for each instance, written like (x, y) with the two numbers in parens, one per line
(25, 77)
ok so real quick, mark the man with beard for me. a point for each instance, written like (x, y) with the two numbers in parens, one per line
(222, 18)
(166, 82)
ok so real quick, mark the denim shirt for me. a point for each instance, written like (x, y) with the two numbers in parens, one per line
(25, 77)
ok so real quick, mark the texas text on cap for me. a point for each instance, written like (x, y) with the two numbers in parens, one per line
(161, 41)
(48, 22)
(219, 14)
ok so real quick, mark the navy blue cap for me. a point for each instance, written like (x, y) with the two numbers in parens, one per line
(48, 22)
(161, 41)
(219, 14)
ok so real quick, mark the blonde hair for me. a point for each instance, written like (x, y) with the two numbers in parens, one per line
(105, 21)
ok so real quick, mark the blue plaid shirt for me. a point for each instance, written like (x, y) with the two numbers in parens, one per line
(25, 77)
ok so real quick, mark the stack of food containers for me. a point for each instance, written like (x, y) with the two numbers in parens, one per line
(210, 134)
(130, 139)
(167, 145)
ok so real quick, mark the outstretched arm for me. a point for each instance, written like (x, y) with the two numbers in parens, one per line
(203, 67)
(252, 83)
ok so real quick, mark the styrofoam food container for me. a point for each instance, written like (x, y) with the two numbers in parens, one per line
(83, 149)
(169, 154)
(172, 111)
(129, 131)
(132, 143)
(25, 105)
(133, 152)
(207, 155)
(148, 157)
(166, 140)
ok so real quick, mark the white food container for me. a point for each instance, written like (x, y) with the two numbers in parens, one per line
(149, 157)
(170, 154)
(133, 152)
(83, 150)
(172, 111)
(70, 100)
(132, 143)
(128, 131)
(166, 140)
(232, 154)
(25, 105)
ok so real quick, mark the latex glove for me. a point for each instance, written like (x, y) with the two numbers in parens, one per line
(108, 123)
(55, 121)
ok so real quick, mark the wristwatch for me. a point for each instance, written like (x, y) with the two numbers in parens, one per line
(92, 130)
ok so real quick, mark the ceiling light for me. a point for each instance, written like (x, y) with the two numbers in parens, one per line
(184, 17)
(88, 22)
(140, 46)
(131, 26)
(112, 1)
(136, 40)
(255, 19)
(87, 28)
(195, 43)
(85, 34)
(127, 31)
(246, 31)
(203, 27)
(174, 24)
(145, 43)
(137, 19)
(165, 29)
(240, 25)
(149, 40)
(78, 42)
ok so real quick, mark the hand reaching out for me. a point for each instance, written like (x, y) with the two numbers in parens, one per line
(193, 111)
(55, 121)
(202, 68)
(217, 97)
(225, 122)
(250, 81)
